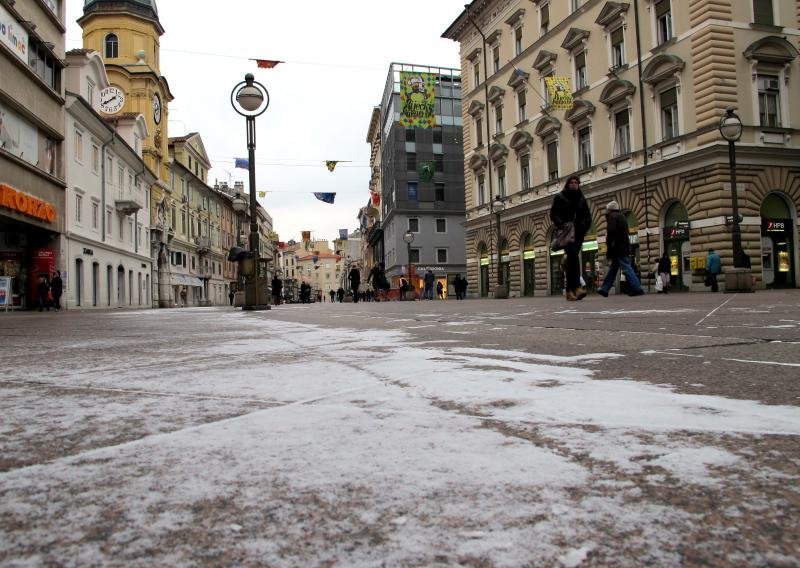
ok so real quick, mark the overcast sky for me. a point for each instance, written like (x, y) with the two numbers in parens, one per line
(337, 57)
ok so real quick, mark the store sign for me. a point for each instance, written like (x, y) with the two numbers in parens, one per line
(776, 225)
(676, 232)
(433, 268)
(88, 251)
(29, 205)
(13, 35)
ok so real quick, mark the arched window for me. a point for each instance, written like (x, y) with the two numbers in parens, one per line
(112, 46)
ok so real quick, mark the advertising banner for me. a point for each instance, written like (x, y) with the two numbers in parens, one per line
(17, 136)
(13, 35)
(417, 99)
(560, 93)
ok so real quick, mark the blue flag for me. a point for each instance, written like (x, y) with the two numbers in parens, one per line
(243, 163)
(326, 197)
(342, 234)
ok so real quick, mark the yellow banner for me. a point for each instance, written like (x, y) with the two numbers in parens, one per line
(417, 99)
(560, 93)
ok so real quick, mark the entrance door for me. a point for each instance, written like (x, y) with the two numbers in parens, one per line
(95, 283)
(528, 272)
(556, 273)
(120, 286)
(78, 278)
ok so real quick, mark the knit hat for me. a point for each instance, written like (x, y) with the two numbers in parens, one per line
(612, 206)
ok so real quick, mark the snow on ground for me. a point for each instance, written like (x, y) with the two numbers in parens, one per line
(284, 444)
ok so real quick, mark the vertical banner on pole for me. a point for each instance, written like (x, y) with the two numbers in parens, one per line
(417, 99)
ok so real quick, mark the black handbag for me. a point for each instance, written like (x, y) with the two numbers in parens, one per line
(563, 236)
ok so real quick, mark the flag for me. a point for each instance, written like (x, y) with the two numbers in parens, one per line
(262, 193)
(560, 93)
(326, 197)
(267, 63)
(417, 99)
(242, 163)
(331, 164)
(306, 236)
(342, 234)
(376, 198)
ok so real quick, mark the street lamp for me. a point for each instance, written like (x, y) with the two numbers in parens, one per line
(250, 99)
(730, 126)
(408, 237)
(498, 205)
(239, 206)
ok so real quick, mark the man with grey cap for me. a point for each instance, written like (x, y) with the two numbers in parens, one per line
(618, 247)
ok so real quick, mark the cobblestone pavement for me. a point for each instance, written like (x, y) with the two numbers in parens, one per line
(659, 430)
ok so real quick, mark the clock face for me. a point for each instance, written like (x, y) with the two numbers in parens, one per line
(157, 108)
(111, 100)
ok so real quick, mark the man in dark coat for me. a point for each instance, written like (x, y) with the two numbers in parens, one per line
(355, 282)
(569, 206)
(277, 289)
(57, 288)
(41, 293)
(618, 247)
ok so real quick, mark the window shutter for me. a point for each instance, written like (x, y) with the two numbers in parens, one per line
(762, 10)
(580, 60)
(669, 98)
(662, 7)
(622, 118)
(616, 36)
(545, 15)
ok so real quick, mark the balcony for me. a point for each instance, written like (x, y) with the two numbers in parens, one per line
(203, 244)
(204, 273)
(128, 202)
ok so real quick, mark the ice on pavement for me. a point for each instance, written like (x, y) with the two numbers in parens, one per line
(358, 429)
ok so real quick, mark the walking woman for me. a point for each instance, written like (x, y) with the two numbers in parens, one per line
(569, 206)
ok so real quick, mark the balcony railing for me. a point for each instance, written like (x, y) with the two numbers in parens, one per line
(128, 202)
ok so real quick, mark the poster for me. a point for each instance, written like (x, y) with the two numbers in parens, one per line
(5, 291)
(18, 137)
(417, 99)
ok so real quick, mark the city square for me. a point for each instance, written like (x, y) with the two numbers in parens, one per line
(658, 430)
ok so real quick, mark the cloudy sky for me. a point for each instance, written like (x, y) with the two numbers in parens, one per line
(337, 56)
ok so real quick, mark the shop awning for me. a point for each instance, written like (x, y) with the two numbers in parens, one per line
(185, 280)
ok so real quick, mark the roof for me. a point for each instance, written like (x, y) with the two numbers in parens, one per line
(146, 9)
(150, 4)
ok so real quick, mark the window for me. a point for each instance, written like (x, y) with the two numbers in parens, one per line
(438, 162)
(762, 12)
(663, 20)
(441, 256)
(522, 111)
(769, 100)
(109, 169)
(108, 222)
(413, 256)
(585, 148)
(43, 63)
(622, 133)
(121, 228)
(78, 208)
(478, 132)
(525, 171)
(581, 81)
(413, 225)
(617, 48)
(481, 189)
(411, 135)
(439, 187)
(496, 58)
(112, 46)
(441, 225)
(90, 93)
(498, 120)
(518, 40)
(437, 134)
(95, 158)
(121, 177)
(78, 146)
(552, 160)
(184, 221)
(411, 162)
(476, 73)
(130, 229)
(412, 191)
(173, 217)
(95, 215)
(669, 113)
(544, 19)
(577, 4)
(501, 180)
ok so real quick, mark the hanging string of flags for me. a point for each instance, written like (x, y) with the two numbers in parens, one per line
(266, 63)
(331, 164)
(327, 197)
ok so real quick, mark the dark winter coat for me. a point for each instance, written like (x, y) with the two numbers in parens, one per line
(618, 242)
(57, 286)
(664, 265)
(355, 278)
(569, 205)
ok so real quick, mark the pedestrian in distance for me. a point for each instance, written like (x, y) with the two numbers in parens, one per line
(42, 290)
(277, 288)
(457, 286)
(231, 296)
(57, 288)
(713, 268)
(332, 294)
(440, 290)
(662, 273)
(355, 282)
(570, 206)
(340, 294)
(428, 280)
(618, 246)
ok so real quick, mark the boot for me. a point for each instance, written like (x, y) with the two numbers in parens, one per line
(571, 297)
(580, 293)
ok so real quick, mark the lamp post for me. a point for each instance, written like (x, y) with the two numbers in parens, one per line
(498, 205)
(408, 237)
(250, 99)
(239, 206)
(730, 126)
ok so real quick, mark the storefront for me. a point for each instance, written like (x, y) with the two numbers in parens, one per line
(777, 252)
(678, 246)
(505, 263)
(28, 243)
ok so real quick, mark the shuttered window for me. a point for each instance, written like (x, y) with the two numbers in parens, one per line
(762, 12)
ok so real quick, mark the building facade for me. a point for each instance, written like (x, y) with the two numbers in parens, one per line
(422, 182)
(127, 34)
(32, 173)
(105, 246)
(643, 130)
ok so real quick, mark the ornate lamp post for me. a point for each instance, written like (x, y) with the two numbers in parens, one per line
(408, 237)
(239, 206)
(730, 126)
(498, 206)
(250, 99)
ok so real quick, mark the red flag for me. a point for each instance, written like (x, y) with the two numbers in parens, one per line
(376, 198)
(266, 63)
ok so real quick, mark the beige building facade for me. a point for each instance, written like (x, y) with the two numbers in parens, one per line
(697, 59)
